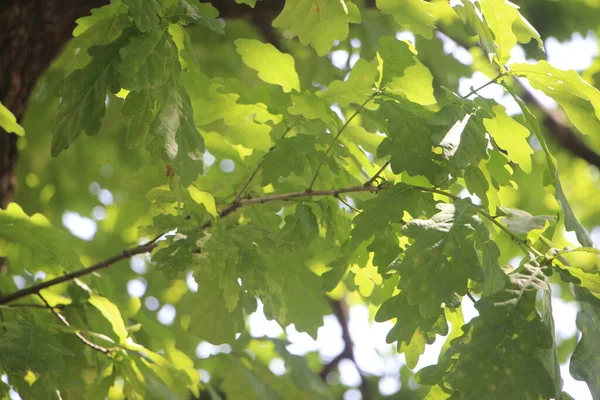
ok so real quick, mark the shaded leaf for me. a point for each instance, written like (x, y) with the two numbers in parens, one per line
(585, 361)
(32, 243)
(26, 347)
(442, 258)
(288, 156)
(144, 13)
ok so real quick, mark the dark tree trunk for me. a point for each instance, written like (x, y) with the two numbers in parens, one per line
(31, 35)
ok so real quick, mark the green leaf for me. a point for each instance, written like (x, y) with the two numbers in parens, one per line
(195, 12)
(287, 157)
(571, 222)
(465, 143)
(470, 11)
(318, 23)
(501, 353)
(411, 330)
(301, 290)
(241, 383)
(585, 361)
(386, 208)
(394, 58)
(142, 63)
(312, 107)
(31, 243)
(409, 143)
(251, 3)
(510, 136)
(439, 263)
(111, 312)
(495, 278)
(579, 99)
(145, 13)
(83, 94)
(272, 65)
(356, 89)
(508, 26)
(173, 133)
(416, 84)
(140, 105)
(8, 122)
(102, 27)
(210, 319)
(415, 15)
(301, 228)
(26, 347)
(522, 223)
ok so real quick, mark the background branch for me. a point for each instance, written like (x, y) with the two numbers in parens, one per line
(341, 313)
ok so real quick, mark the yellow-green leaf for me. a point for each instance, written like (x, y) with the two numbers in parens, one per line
(272, 65)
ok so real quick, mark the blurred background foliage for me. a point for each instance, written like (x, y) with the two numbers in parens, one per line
(97, 189)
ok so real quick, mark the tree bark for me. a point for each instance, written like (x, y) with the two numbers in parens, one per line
(32, 34)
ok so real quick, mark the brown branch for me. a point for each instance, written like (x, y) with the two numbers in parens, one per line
(340, 312)
(35, 289)
(83, 339)
(148, 247)
(557, 125)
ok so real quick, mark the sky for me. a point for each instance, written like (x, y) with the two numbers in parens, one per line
(373, 354)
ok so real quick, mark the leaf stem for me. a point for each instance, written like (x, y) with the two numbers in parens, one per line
(65, 322)
(344, 202)
(375, 93)
(376, 176)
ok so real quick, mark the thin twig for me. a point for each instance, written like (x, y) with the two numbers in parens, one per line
(500, 75)
(470, 296)
(344, 202)
(30, 305)
(375, 93)
(251, 178)
(376, 176)
(65, 322)
(339, 310)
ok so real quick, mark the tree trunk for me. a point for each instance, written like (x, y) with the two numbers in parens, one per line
(32, 34)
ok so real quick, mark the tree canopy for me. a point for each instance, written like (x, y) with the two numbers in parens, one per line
(185, 166)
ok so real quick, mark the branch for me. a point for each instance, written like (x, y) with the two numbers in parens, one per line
(555, 121)
(83, 339)
(340, 312)
(558, 128)
(35, 289)
(148, 247)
